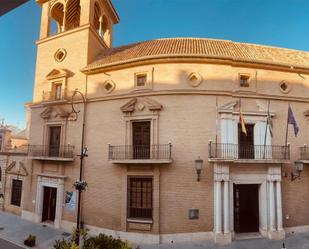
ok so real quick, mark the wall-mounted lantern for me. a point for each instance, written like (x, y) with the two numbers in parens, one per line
(299, 166)
(198, 166)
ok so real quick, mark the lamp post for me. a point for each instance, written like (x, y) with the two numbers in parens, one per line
(198, 166)
(80, 185)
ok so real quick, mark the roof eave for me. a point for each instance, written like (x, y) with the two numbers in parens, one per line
(93, 69)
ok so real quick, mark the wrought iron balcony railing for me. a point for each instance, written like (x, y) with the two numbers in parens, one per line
(248, 152)
(47, 152)
(140, 152)
(304, 153)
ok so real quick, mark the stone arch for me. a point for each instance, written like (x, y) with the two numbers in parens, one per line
(56, 18)
(106, 30)
(97, 18)
(72, 17)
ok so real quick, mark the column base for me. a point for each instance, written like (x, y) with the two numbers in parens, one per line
(223, 238)
(276, 235)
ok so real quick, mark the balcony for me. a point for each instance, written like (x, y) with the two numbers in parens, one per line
(248, 153)
(51, 97)
(140, 154)
(304, 154)
(51, 153)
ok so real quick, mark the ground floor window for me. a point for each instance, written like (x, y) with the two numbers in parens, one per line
(140, 197)
(16, 192)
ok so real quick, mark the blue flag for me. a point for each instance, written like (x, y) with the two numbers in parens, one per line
(292, 121)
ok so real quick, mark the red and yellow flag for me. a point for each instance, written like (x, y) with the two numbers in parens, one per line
(242, 123)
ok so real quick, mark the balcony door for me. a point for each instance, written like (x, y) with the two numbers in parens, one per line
(246, 142)
(141, 139)
(54, 141)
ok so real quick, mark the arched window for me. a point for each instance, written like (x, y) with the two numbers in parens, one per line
(97, 19)
(56, 22)
(72, 18)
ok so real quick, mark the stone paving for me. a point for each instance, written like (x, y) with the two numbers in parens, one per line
(292, 241)
(15, 229)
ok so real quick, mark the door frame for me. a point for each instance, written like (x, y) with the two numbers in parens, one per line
(256, 188)
(49, 203)
(58, 183)
(46, 127)
(262, 195)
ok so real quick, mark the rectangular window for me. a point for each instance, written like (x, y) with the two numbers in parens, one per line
(244, 80)
(16, 192)
(140, 197)
(141, 80)
(58, 92)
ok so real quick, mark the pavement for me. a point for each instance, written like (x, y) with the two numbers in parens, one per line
(13, 231)
(8, 245)
(16, 230)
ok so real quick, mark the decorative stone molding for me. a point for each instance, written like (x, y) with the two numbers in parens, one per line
(140, 104)
(109, 86)
(195, 79)
(60, 55)
(264, 107)
(229, 107)
(19, 170)
(58, 73)
(285, 87)
(221, 172)
(54, 112)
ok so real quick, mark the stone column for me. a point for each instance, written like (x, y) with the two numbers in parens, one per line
(279, 206)
(271, 206)
(101, 26)
(218, 207)
(226, 208)
(64, 19)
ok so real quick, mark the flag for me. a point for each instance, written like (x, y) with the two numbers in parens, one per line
(292, 121)
(242, 123)
(269, 123)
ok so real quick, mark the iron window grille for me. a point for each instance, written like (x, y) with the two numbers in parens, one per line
(16, 192)
(140, 197)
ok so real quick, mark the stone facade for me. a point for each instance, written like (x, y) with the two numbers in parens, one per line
(189, 101)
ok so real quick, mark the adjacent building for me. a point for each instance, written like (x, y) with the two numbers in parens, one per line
(167, 158)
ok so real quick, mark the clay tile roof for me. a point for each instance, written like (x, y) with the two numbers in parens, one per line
(200, 48)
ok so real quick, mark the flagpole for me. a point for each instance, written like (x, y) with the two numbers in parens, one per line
(266, 128)
(287, 127)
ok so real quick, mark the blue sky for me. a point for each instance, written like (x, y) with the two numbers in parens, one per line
(283, 23)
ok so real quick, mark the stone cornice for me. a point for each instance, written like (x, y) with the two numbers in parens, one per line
(163, 59)
(185, 92)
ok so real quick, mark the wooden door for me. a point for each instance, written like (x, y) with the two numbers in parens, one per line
(54, 141)
(49, 204)
(141, 140)
(246, 208)
(246, 142)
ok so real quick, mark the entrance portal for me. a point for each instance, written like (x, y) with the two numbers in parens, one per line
(246, 208)
(49, 204)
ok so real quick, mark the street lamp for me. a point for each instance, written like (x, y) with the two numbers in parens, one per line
(198, 166)
(80, 185)
(299, 166)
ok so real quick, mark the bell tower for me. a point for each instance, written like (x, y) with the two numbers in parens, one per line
(72, 34)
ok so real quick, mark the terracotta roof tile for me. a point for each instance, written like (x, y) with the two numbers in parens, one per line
(198, 47)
